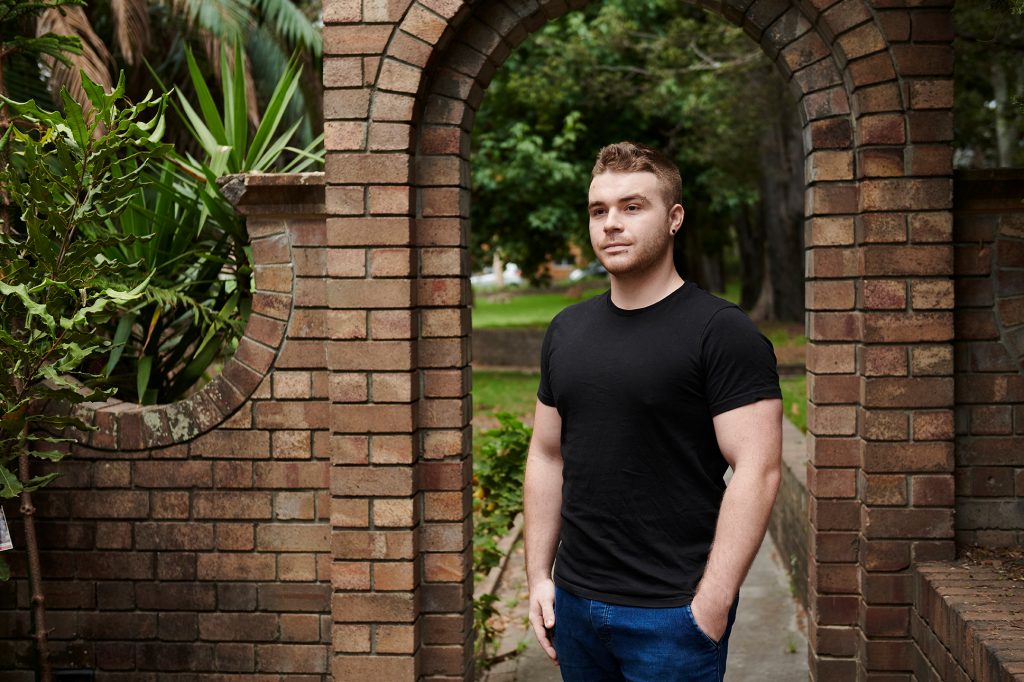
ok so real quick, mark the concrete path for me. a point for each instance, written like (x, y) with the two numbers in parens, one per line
(768, 643)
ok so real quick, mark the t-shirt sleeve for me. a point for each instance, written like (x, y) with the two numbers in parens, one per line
(544, 393)
(739, 362)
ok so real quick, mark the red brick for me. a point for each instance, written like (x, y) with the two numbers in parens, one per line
(932, 491)
(292, 537)
(291, 658)
(830, 295)
(231, 505)
(243, 627)
(923, 60)
(883, 97)
(883, 361)
(884, 555)
(305, 597)
(394, 513)
(235, 536)
(394, 481)
(355, 39)
(831, 263)
(396, 387)
(380, 607)
(833, 389)
(373, 667)
(880, 162)
(881, 129)
(370, 355)
(870, 70)
(350, 575)
(392, 449)
(905, 392)
(931, 126)
(907, 327)
(292, 475)
(907, 260)
(153, 474)
(834, 326)
(831, 483)
(883, 294)
(884, 490)
(888, 425)
(931, 360)
(376, 545)
(388, 199)
(907, 457)
(900, 523)
(834, 514)
(109, 504)
(234, 566)
(933, 425)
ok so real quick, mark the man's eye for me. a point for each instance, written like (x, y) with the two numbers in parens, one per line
(597, 212)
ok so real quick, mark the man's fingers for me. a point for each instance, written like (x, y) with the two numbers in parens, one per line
(541, 629)
(548, 609)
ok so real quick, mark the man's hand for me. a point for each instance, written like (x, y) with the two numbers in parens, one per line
(712, 618)
(542, 615)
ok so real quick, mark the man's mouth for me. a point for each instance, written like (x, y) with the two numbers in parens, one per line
(615, 247)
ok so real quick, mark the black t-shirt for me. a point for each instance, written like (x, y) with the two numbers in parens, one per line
(642, 471)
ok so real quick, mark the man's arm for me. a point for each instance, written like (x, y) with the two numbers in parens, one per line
(542, 510)
(750, 438)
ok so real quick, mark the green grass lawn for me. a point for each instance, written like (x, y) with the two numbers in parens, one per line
(523, 309)
(514, 392)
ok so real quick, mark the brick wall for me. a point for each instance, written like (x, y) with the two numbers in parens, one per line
(194, 538)
(989, 232)
(966, 624)
(349, 400)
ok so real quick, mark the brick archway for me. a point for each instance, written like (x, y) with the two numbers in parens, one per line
(873, 80)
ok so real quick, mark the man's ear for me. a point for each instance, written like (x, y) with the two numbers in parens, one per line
(675, 218)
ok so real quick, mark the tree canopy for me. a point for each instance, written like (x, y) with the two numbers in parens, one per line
(659, 72)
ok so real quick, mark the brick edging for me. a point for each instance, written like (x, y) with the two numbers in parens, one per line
(966, 623)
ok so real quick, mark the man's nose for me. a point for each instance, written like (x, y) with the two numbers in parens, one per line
(614, 221)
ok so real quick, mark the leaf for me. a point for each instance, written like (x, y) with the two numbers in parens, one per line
(37, 482)
(145, 367)
(52, 455)
(10, 486)
(124, 329)
(5, 571)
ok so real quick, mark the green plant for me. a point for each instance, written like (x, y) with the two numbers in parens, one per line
(68, 175)
(198, 249)
(498, 498)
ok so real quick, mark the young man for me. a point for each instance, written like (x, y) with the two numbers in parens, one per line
(648, 393)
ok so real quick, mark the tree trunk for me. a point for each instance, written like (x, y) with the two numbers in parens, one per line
(499, 270)
(28, 515)
(782, 189)
(750, 240)
(1006, 128)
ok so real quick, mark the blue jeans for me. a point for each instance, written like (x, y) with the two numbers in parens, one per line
(599, 642)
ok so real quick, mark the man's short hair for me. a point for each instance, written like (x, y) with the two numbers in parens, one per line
(630, 157)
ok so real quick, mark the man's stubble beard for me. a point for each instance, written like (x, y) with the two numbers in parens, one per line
(641, 259)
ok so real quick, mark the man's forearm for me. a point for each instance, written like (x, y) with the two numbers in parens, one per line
(542, 509)
(742, 522)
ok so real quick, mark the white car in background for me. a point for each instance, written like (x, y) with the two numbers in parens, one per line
(513, 277)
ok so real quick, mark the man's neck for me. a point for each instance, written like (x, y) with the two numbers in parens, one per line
(640, 290)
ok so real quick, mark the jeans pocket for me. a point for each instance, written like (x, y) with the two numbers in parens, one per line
(703, 635)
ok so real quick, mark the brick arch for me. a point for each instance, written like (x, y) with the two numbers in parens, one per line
(127, 426)
(872, 79)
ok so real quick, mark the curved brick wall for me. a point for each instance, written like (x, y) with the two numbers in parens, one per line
(194, 538)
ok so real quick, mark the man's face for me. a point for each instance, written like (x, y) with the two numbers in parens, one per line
(631, 226)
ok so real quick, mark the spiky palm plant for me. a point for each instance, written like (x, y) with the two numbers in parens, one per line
(131, 35)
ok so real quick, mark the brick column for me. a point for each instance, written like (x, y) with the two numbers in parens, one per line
(906, 358)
